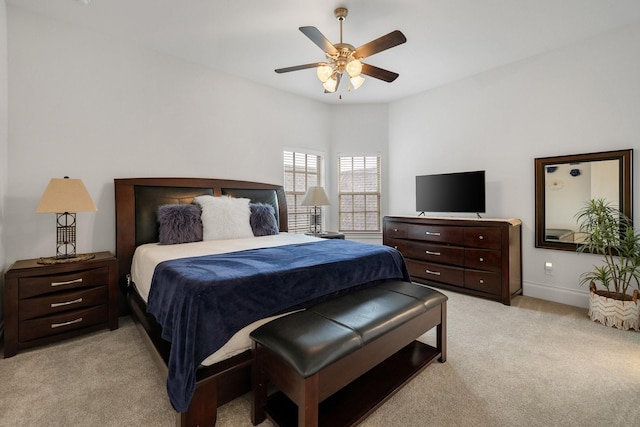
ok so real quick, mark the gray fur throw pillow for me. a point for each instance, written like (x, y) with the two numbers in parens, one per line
(179, 224)
(263, 219)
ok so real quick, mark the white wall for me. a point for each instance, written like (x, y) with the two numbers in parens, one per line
(4, 175)
(97, 108)
(580, 99)
(359, 130)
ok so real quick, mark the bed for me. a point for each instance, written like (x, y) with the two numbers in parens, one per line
(226, 373)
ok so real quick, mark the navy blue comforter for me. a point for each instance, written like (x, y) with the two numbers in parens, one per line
(201, 302)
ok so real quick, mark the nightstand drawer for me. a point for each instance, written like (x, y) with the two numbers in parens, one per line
(59, 323)
(46, 302)
(39, 285)
(62, 301)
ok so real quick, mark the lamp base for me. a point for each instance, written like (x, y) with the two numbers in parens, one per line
(64, 260)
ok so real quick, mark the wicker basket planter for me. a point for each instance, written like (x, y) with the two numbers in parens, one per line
(609, 311)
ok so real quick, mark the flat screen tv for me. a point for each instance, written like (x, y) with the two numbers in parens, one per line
(451, 192)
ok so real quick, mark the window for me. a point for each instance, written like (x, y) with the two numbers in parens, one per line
(301, 170)
(359, 193)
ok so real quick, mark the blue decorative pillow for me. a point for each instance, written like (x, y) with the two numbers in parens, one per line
(263, 219)
(179, 224)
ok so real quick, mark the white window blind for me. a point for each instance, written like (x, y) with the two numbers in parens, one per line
(359, 193)
(301, 170)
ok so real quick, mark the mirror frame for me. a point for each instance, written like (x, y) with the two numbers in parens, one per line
(625, 157)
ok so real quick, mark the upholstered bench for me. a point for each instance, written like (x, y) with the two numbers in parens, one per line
(341, 359)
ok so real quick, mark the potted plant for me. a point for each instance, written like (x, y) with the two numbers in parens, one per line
(609, 233)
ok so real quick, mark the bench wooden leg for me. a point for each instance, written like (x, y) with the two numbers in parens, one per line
(441, 334)
(308, 403)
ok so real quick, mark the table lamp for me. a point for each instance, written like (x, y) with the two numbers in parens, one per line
(65, 197)
(315, 196)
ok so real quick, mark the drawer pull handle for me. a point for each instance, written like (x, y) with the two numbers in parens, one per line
(395, 247)
(68, 282)
(481, 237)
(432, 253)
(481, 259)
(435, 273)
(71, 322)
(432, 233)
(60, 304)
(395, 229)
(481, 281)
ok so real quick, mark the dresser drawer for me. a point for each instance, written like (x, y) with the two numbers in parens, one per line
(398, 244)
(63, 322)
(483, 259)
(436, 272)
(482, 237)
(39, 285)
(436, 233)
(484, 281)
(30, 308)
(440, 254)
(396, 230)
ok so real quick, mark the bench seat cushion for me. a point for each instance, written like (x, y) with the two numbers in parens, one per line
(313, 339)
(370, 312)
(318, 341)
(429, 297)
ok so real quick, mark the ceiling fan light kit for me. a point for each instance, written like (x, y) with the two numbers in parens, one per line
(343, 57)
(324, 72)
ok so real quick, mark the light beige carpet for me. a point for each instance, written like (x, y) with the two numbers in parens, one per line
(535, 363)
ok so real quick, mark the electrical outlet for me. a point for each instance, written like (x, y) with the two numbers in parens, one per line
(548, 268)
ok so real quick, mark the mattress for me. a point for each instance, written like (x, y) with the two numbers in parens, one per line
(148, 256)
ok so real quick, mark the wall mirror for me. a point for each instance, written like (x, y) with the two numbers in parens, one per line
(565, 184)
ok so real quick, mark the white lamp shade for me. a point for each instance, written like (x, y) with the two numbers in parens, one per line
(330, 85)
(356, 82)
(324, 72)
(66, 195)
(354, 68)
(315, 196)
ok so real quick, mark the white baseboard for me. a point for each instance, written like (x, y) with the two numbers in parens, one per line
(575, 297)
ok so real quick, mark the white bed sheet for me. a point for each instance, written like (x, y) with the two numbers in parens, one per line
(148, 256)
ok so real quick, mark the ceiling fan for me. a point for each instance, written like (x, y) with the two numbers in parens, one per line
(343, 57)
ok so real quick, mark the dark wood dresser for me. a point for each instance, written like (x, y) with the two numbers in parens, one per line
(481, 257)
(44, 303)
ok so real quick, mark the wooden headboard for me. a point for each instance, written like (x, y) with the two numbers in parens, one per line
(137, 200)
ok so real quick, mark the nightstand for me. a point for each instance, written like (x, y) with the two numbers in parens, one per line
(327, 235)
(44, 303)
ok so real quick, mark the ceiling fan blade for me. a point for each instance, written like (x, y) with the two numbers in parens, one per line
(316, 36)
(299, 67)
(385, 42)
(379, 73)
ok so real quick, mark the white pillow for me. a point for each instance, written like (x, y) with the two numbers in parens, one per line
(225, 217)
